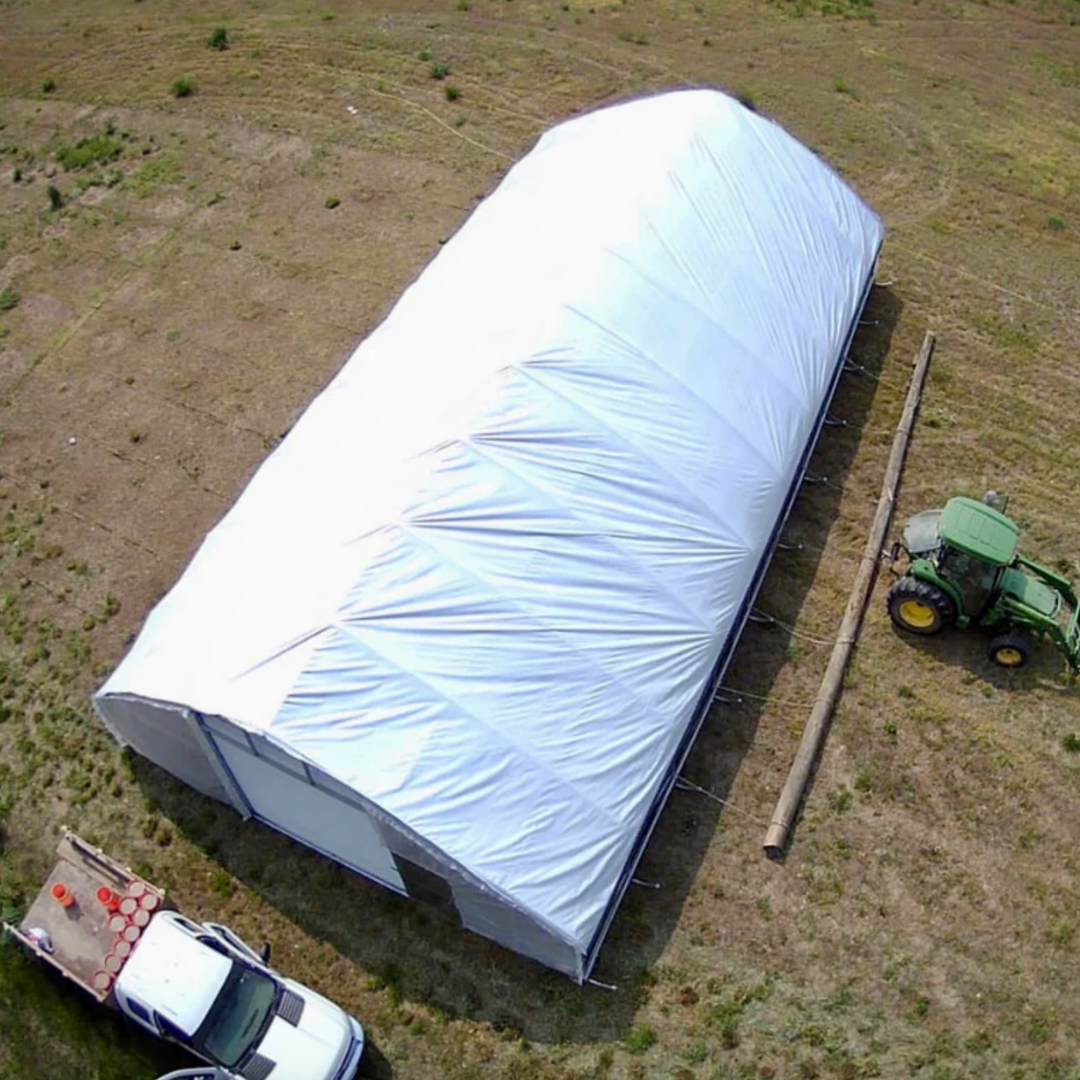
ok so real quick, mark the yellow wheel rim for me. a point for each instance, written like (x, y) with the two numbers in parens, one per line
(1007, 656)
(917, 614)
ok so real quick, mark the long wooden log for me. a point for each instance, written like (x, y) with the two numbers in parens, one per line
(817, 726)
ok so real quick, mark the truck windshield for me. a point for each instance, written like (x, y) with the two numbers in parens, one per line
(237, 1017)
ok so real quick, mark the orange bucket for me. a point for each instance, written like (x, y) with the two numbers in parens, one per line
(101, 980)
(107, 898)
(117, 924)
(62, 895)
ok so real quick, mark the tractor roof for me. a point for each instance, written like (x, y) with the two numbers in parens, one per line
(979, 530)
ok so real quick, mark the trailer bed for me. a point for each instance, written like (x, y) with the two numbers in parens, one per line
(80, 934)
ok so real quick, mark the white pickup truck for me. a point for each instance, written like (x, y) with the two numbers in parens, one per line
(194, 984)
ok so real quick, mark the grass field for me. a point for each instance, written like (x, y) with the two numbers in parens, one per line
(193, 237)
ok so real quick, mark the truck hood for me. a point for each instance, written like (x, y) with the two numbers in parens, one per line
(313, 1049)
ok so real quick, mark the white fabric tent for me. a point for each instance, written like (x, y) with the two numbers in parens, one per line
(462, 626)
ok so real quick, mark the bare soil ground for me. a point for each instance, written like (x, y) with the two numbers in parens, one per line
(164, 325)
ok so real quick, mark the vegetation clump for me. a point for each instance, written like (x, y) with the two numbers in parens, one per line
(92, 150)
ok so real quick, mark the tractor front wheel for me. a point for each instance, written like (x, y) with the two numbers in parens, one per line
(920, 607)
(1010, 649)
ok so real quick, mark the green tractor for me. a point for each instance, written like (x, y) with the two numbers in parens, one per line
(964, 571)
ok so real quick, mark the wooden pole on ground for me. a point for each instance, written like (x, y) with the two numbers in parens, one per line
(817, 726)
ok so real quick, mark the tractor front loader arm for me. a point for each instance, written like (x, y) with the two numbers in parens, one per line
(1066, 637)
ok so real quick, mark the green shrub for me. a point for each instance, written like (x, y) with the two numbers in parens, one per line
(93, 150)
(56, 200)
(452, 92)
(221, 883)
(9, 299)
(218, 39)
(640, 1039)
(1055, 223)
(840, 800)
(48, 86)
(183, 87)
(425, 56)
(331, 202)
(439, 71)
(1071, 742)
(728, 1030)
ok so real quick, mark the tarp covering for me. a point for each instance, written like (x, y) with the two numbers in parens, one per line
(486, 578)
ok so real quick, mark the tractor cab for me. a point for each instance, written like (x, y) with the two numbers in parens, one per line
(977, 542)
(964, 547)
(965, 569)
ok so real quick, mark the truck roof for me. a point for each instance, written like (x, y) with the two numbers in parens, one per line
(174, 973)
(979, 530)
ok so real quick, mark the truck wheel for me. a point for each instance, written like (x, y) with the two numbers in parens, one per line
(1010, 649)
(920, 607)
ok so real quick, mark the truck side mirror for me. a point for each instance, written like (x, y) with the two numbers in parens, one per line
(264, 952)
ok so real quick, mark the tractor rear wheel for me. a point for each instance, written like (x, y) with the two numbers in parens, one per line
(1010, 649)
(920, 607)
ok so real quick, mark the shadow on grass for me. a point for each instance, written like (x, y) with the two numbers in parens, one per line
(48, 1028)
(373, 1064)
(419, 958)
(970, 649)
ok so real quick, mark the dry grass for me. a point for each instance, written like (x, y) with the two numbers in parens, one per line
(925, 921)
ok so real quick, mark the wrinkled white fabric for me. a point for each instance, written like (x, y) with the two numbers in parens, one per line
(485, 578)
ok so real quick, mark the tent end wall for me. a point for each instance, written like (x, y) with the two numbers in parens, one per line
(301, 801)
(166, 735)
